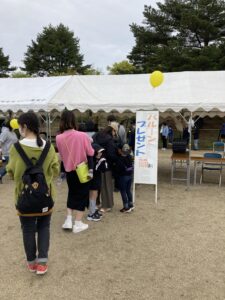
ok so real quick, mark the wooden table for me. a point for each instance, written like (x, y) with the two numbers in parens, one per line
(200, 159)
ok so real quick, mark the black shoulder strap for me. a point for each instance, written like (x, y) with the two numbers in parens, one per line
(43, 154)
(25, 158)
(23, 155)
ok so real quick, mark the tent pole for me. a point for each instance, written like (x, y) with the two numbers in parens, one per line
(50, 131)
(47, 125)
(133, 192)
(189, 154)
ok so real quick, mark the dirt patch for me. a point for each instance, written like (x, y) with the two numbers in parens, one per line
(173, 250)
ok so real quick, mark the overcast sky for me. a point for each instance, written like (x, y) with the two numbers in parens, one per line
(101, 25)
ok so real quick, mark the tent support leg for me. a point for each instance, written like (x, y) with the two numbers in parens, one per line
(189, 158)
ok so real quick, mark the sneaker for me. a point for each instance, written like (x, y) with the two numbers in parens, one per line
(68, 225)
(126, 210)
(32, 267)
(98, 213)
(94, 217)
(41, 269)
(132, 208)
(81, 227)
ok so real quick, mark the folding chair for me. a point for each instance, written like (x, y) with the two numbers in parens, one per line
(212, 166)
(219, 147)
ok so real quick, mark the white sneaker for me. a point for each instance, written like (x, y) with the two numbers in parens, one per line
(68, 224)
(80, 227)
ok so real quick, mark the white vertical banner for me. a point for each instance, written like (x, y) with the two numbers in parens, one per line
(146, 148)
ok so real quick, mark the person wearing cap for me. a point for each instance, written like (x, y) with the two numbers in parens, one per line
(100, 166)
(125, 178)
(105, 139)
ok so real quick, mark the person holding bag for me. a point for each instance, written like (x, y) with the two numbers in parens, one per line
(76, 152)
(32, 164)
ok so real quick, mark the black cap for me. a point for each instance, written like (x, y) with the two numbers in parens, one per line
(97, 147)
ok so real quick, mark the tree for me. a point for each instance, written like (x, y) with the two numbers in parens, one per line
(20, 74)
(92, 71)
(5, 65)
(123, 67)
(180, 35)
(55, 51)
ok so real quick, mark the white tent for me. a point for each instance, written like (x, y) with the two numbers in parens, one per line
(192, 91)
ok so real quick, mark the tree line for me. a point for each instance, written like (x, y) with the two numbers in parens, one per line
(177, 35)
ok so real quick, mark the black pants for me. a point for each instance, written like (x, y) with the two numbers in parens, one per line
(164, 140)
(30, 226)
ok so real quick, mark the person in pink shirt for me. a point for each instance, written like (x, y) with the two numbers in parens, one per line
(74, 148)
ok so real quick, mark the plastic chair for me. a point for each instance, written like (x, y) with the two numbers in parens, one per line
(211, 166)
(219, 147)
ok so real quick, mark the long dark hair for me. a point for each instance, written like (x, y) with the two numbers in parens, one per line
(31, 120)
(67, 121)
(108, 130)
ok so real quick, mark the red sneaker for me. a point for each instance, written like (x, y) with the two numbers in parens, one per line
(32, 267)
(41, 269)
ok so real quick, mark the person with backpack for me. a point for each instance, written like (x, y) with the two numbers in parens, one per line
(100, 166)
(32, 164)
(105, 139)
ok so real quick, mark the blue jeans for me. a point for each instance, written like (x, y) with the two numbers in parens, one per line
(124, 185)
(36, 250)
(3, 169)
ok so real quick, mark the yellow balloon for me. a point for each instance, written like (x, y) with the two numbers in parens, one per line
(14, 124)
(156, 78)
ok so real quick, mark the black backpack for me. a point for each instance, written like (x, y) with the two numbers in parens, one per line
(35, 198)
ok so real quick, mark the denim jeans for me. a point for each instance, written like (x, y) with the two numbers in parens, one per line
(124, 184)
(3, 169)
(36, 250)
(196, 144)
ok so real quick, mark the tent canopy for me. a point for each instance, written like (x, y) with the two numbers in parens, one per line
(193, 91)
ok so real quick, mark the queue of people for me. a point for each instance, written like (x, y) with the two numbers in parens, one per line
(33, 163)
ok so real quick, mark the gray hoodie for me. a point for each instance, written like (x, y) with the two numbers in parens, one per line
(7, 138)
